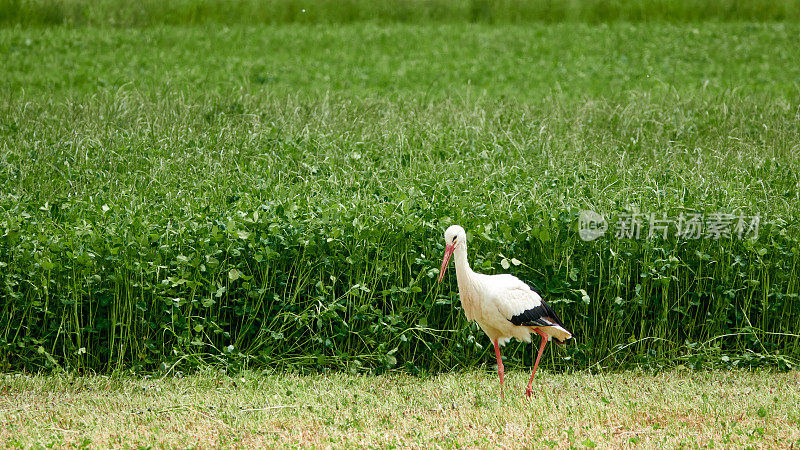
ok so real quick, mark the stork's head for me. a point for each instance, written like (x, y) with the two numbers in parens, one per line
(454, 237)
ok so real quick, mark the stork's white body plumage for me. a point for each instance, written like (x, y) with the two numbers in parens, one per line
(502, 305)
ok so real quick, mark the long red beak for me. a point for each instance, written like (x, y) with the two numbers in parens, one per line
(448, 252)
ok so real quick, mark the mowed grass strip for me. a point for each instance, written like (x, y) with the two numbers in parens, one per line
(729, 409)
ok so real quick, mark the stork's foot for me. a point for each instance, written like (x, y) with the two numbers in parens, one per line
(528, 393)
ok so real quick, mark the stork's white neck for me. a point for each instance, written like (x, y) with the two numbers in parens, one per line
(464, 274)
(466, 282)
(463, 271)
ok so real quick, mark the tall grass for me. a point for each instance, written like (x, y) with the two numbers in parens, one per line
(287, 211)
(118, 13)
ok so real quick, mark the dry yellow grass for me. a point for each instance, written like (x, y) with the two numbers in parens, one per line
(719, 409)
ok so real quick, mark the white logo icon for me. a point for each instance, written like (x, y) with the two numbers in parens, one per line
(591, 225)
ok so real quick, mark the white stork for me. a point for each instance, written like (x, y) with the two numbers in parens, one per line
(503, 305)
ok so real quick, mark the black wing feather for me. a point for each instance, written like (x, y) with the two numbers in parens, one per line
(540, 316)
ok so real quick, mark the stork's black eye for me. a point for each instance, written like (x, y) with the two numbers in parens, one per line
(454, 238)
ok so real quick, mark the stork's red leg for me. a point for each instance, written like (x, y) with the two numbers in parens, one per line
(500, 371)
(538, 357)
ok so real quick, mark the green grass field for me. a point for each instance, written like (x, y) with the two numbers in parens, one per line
(736, 409)
(221, 222)
(274, 196)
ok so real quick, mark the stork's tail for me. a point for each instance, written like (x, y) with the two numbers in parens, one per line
(559, 333)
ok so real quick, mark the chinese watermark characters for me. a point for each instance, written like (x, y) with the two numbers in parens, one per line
(686, 226)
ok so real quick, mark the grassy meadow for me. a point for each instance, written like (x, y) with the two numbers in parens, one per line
(736, 409)
(275, 196)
